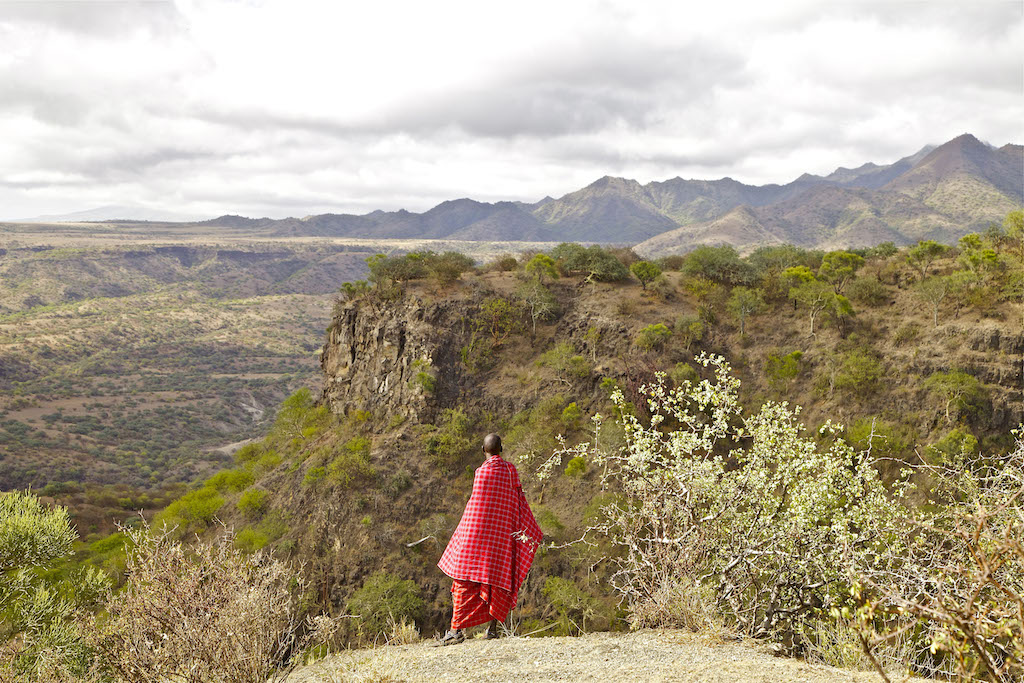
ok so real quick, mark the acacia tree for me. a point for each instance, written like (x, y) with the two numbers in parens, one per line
(646, 272)
(744, 302)
(924, 254)
(816, 296)
(933, 291)
(838, 268)
(542, 266)
(500, 318)
(538, 300)
(957, 388)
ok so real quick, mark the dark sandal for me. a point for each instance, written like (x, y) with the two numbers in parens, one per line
(452, 638)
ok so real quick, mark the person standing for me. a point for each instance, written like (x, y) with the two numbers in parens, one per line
(492, 548)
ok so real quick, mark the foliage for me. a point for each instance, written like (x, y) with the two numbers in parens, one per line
(961, 391)
(859, 373)
(819, 298)
(838, 268)
(538, 301)
(722, 265)
(45, 614)
(299, 418)
(955, 588)
(593, 262)
(652, 337)
(542, 267)
(645, 271)
(754, 514)
(565, 362)
(383, 600)
(933, 291)
(880, 437)
(31, 534)
(868, 291)
(194, 511)
(352, 463)
(573, 605)
(683, 372)
(499, 318)
(744, 302)
(924, 254)
(956, 446)
(780, 369)
(207, 612)
(252, 503)
(576, 467)
(447, 444)
(505, 263)
(425, 376)
(690, 329)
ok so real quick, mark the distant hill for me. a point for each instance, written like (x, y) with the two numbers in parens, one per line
(113, 213)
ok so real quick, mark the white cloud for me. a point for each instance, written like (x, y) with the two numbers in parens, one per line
(295, 107)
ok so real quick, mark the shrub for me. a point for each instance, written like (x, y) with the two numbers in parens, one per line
(250, 540)
(499, 318)
(571, 415)
(645, 271)
(505, 263)
(781, 369)
(868, 291)
(577, 467)
(565, 362)
(719, 264)
(690, 329)
(398, 482)
(216, 613)
(962, 392)
(663, 288)
(314, 475)
(859, 373)
(959, 445)
(230, 480)
(593, 262)
(683, 372)
(542, 267)
(352, 463)
(883, 438)
(194, 510)
(905, 334)
(652, 337)
(671, 262)
(383, 600)
(252, 503)
(449, 443)
(30, 533)
(573, 605)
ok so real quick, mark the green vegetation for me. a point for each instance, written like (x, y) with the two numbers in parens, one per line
(383, 601)
(652, 337)
(449, 442)
(646, 272)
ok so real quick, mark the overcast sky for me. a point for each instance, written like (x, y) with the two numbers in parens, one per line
(262, 107)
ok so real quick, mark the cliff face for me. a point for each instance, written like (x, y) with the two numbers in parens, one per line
(376, 356)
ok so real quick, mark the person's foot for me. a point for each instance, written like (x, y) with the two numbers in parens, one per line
(492, 631)
(453, 637)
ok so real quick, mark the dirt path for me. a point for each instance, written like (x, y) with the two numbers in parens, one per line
(641, 656)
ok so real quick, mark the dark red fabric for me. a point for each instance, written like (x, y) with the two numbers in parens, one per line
(477, 603)
(497, 536)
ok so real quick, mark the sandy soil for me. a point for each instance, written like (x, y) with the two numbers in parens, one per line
(641, 656)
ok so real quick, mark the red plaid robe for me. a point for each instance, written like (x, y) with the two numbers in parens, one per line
(492, 548)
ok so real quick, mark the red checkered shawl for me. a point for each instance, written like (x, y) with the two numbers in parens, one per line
(498, 535)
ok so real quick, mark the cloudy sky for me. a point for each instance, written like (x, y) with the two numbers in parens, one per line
(292, 107)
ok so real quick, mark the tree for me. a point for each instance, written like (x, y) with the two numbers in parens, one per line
(645, 271)
(924, 254)
(542, 266)
(933, 291)
(959, 389)
(500, 318)
(566, 363)
(652, 337)
(816, 296)
(1013, 224)
(838, 268)
(448, 267)
(538, 300)
(744, 302)
(720, 264)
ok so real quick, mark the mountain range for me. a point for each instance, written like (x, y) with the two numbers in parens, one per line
(940, 192)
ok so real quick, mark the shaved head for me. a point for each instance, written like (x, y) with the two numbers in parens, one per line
(492, 444)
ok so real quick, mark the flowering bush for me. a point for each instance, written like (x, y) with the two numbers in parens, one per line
(750, 512)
